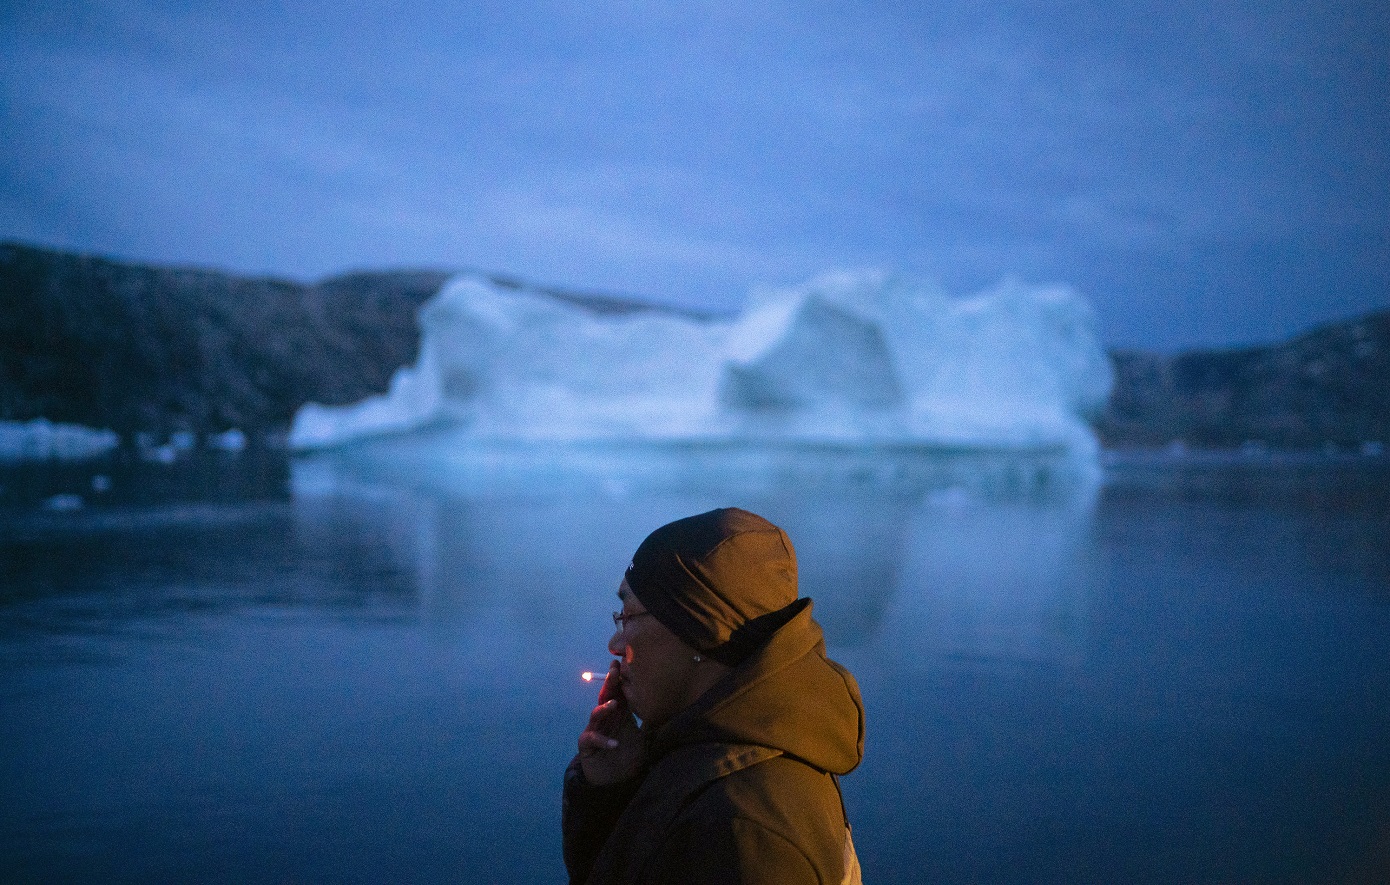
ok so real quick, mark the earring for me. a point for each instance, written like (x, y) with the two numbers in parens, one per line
(697, 659)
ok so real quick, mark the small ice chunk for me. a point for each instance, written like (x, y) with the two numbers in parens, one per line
(165, 454)
(64, 503)
(182, 440)
(228, 441)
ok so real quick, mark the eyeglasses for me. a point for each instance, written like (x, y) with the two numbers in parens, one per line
(620, 619)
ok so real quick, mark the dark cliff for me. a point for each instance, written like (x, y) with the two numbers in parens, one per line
(131, 347)
(1330, 386)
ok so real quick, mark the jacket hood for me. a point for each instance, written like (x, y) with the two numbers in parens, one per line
(719, 580)
(787, 696)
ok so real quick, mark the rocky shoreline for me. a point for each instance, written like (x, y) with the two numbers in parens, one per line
(1327, 389)
(138, 349)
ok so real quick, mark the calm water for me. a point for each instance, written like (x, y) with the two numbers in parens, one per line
(232, 670)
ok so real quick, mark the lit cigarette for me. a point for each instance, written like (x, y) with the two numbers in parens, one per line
(590, 675)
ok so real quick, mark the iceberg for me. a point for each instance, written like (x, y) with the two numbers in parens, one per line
(852, 359)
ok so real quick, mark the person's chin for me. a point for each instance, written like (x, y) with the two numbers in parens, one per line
(636, 704)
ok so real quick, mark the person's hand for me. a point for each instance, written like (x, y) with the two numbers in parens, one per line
(611, 747)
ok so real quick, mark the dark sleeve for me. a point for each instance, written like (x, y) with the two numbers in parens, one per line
(736, 852)
(587, 816)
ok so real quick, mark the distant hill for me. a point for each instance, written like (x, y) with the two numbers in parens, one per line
(1330, 386)
(133, 347)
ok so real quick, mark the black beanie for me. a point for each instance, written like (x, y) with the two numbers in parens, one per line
(722, 581)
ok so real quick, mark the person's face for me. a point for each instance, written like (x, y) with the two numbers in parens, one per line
(654, 665)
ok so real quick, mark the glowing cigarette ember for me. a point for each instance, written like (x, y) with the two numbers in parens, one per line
(591, 675)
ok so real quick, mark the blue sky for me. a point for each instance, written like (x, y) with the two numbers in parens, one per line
(1208, 174)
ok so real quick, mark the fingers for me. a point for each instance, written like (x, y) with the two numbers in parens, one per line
(603, 714)
(591, 741)
(608, 718)
(612, 685)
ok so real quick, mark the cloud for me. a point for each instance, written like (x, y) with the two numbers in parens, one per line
(694, 152)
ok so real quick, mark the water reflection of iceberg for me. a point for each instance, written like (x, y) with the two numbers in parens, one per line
(993, 580)
(916, 562)
(451, 459)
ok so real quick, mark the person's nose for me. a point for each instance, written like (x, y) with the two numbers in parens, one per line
(615, 642)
